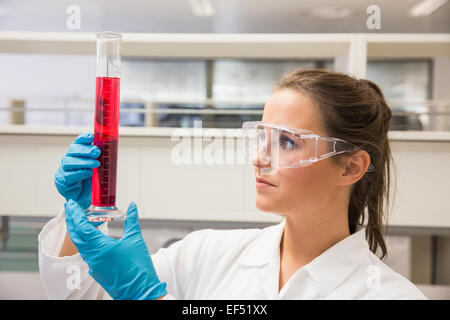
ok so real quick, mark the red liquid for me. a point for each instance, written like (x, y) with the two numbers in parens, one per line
(106, 135)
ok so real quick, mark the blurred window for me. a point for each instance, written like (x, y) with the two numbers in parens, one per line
(406, 85)
(176, 92)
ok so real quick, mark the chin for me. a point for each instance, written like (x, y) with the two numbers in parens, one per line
(266, 205)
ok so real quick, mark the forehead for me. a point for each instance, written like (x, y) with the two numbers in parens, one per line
(292, 108)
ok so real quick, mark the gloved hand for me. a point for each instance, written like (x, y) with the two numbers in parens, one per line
(123, 267)
(73, 179)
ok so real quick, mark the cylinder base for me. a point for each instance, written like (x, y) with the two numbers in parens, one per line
(101, 214)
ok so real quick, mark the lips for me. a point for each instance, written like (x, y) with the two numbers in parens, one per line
(260, 180)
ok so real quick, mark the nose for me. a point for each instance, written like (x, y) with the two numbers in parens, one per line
(261, 158)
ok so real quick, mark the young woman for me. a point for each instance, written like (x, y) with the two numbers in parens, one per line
(322, 162)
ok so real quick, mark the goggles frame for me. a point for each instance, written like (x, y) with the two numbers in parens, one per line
(339, 146)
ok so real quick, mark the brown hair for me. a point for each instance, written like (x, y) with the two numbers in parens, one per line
(356, 111)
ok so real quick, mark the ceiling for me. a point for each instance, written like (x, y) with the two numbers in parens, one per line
(231, 16)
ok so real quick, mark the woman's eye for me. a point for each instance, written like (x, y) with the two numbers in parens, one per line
(286, 143)
(261, 136)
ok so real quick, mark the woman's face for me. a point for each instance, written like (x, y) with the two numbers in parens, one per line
(308, 189)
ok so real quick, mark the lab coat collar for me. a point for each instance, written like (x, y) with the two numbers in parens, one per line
(334, 265)
(265, 248)
(327, 270)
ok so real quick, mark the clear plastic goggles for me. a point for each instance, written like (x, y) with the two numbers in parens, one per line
(274, 146)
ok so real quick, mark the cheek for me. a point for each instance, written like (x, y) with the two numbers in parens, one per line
(306, 185)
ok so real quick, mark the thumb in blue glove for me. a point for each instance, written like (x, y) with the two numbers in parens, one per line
(123, 267)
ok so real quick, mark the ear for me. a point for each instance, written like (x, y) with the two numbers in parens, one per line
(356, 166)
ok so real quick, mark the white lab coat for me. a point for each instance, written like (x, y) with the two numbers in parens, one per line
(236, 264)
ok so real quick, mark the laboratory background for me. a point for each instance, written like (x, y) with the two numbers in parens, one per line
(212, 64)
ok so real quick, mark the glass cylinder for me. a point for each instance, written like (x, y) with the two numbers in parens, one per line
(106, 128)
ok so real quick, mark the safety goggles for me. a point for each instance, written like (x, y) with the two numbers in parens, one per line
(275, 146)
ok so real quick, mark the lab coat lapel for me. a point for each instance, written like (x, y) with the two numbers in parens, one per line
(334, 265)
(264, 255)
(269, 275)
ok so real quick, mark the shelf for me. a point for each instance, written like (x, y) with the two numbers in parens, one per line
(408, 45)
(193, 45)
(215, 45)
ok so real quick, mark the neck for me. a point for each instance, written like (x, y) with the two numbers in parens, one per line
(307, 236)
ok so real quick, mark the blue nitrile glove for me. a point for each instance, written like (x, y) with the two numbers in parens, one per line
(73, 179)
(123, 267)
